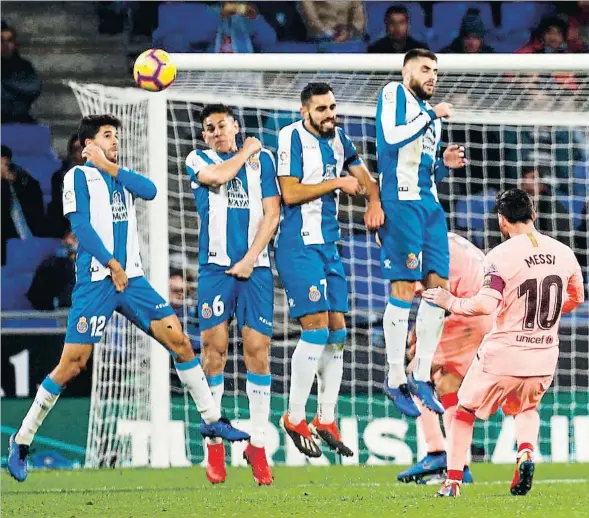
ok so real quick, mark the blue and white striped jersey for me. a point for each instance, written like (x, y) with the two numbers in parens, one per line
(312, 160)
(231, 214)
(408, 140)
(110, 209)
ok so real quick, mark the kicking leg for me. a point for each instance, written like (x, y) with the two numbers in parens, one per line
(527, 428)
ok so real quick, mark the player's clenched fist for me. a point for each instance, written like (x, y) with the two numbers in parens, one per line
(118, 275)
(251, 146)
(443, 110)
(350, 185)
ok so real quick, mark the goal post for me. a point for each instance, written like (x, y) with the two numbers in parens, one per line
(511, 112)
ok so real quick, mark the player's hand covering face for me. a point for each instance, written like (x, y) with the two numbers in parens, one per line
(104, 145)
(320, 114)
(423, 76)
(219, 132)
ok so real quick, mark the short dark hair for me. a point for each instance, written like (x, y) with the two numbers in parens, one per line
(7, 152)
(514, 205)
(314, 89)
(552, 21)
(177, 272)
(209, 109)
(91, 124)
(419, 53)
(396, 9)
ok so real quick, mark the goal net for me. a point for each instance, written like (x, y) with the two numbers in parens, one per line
(520, 123)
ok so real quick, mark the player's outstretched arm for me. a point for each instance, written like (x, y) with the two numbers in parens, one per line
(220, 174)
(575, 292)
(244, 268)
(135, 183)
(485, 302)
(374, 216)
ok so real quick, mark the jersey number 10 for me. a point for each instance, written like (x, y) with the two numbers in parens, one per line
(549, 294)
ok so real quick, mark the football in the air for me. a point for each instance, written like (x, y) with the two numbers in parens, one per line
(154, 70)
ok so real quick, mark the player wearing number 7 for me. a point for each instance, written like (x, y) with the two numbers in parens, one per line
(238, 206)
(99, 200)
(312, 154)
(532, 279)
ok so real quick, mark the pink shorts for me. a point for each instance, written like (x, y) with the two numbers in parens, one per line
(459, 343)
(484, 393)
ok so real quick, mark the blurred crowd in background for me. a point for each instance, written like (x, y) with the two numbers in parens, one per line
(38, 249)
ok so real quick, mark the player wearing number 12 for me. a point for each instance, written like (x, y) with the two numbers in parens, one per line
(313, 153)
(239, 206)
(99, 200)
(532, 280)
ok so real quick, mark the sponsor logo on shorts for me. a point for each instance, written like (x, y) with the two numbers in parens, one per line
(412, 261)
(314, 294)
(291, 303)
(82, 326)
(161, 305)
(193, 185)
(264, 321)
(387, 264)
(206, 311)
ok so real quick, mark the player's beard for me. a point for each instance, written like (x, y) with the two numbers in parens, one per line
(318, 128)
(418, 90)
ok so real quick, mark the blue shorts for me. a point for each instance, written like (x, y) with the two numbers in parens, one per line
(313, 277)
(93, 304)
(221, 296)
(414, 241)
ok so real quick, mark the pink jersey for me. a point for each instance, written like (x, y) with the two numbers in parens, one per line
(466, 279)
(530, 274)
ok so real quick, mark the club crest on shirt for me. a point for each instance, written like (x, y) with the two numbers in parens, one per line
(82, 326)
(254, 162)
(236, 195)
(314, 294)
(412, 261)
(206, 311)
(119, 210)
(329, 173)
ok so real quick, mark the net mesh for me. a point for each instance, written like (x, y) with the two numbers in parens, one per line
(507, 128)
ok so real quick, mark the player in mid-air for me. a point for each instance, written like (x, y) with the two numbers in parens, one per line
(530, 280)
(312, 154)
(99, 200)
(414, 234)
(238, 204)
(458, 345)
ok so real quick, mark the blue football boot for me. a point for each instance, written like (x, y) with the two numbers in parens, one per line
(467, 477)
(401, 397)
(17, 459)
(429, 465)
(425, 392)
(223, 429)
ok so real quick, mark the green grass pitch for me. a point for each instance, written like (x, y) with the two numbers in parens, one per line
(560, 490)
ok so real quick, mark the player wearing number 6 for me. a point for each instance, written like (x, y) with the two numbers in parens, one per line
(239, 206)
(99, 200)
(312, 154)
(414, 236)
(532, 280)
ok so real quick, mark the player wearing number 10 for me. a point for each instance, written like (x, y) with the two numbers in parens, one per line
(99, 200)
(532, 279)
(239, 206)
